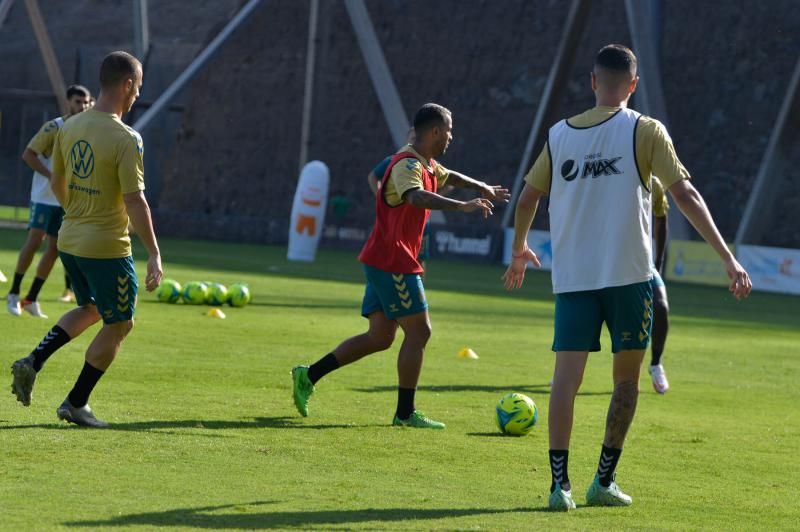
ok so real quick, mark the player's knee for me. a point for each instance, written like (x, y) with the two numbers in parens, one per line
(423, 332)
(121, 328)
(383, 339)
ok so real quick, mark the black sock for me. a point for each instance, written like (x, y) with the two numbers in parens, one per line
(67, 282)
(405, 402)
(52, 342)
(608, 465)
(559, 462)
(16, 284)
(322, 367)
(86, 382)
(36, 287)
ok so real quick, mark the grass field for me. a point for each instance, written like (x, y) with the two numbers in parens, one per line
(13, 214)
(205, 434)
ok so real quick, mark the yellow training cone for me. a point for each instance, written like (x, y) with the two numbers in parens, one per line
(216, 313)
(2, 278)
(467, 353)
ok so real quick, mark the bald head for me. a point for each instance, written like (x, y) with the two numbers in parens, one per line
(614, 66)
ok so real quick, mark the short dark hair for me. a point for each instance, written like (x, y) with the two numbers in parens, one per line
(78, 90)
(617, 59)
(117, 67)
(430, 115)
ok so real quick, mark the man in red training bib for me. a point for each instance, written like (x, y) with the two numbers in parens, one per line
(394, 295)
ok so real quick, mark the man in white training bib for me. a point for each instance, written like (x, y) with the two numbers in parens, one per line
(597, 168)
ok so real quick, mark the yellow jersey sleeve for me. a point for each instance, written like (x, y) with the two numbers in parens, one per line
(540, 174)
(442, 174)
(655, 153)
(42, 142)
(130, 167)
(406, 175)
(660, 203)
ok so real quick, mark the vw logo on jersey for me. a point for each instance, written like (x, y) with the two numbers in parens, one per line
(569, 170)
(82, 159)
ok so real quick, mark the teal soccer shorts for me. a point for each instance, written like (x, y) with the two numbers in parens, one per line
(48, 218)
(110, 284)
(395, 294)
(626, 310)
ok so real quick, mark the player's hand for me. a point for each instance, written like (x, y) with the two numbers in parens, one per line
(496, 193)
(478, 204)
(154, 272)
(740, 280)
(515, 273)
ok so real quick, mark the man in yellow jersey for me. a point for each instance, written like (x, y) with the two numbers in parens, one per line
(597, 168)
(98, 176)
(660, 304)
(46, 213)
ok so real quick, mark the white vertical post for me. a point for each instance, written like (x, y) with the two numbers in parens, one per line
(141, 29)
(308, 94)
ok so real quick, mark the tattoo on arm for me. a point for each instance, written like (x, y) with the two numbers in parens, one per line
(620, 413)
(460, 180)
(428, 200)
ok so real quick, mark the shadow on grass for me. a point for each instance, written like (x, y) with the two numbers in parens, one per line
(202, 309)
(535, 389)
(491, 435)
(237, 516)
(163, 426)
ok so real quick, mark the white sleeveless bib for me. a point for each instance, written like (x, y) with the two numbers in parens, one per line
(599, 206)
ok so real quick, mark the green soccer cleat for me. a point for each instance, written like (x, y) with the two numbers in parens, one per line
(302, 389)
(418, 420)
(610, 496)
(561, 500)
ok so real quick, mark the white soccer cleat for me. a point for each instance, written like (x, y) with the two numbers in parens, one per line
(3, 278)
(67, 297)
(33, 308)
(659, 376)
(13, 306)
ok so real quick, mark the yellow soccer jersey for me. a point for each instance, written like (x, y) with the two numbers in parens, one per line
(655, 154)
(660, 203)
(42, 141)
(407, 175)
(101, 159)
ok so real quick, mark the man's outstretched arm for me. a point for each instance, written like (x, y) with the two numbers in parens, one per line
(521, 254)
(692, 205)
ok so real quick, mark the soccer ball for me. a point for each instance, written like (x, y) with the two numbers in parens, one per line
(217, 294)
(516, 414)
(195, 293)
(238, 295)
(169, 291)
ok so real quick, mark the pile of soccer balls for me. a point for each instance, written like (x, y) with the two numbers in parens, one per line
(203, 293)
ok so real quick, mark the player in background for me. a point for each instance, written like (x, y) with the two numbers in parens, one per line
(597, 167)
(660, 303)
(98, 175)
(46, 212)
(394, 295)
